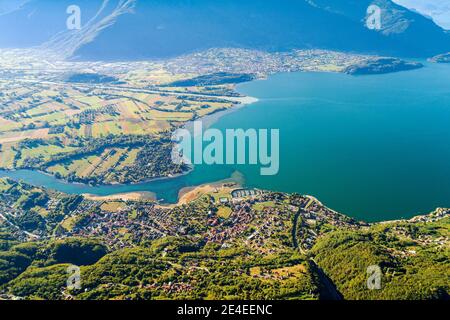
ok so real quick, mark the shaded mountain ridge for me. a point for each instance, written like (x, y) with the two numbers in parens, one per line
(137, 29)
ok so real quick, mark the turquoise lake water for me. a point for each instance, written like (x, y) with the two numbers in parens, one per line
(373, 147)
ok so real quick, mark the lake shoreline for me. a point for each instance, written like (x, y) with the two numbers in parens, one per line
(207, 120)
(131, 196)
(316, 99)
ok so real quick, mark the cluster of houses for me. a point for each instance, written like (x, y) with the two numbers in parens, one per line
(234, 226)
(243, 61)
(271, 221)
(261, 220)
(171, 287)
(120, 229)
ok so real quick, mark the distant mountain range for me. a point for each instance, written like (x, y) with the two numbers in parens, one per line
(438, 10)
(142, 29)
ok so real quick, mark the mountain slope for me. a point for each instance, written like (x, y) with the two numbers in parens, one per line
(33, 22)
(438, 10)
(176, 27)
(138, 29)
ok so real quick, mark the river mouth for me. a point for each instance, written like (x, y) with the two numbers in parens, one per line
(374, 147)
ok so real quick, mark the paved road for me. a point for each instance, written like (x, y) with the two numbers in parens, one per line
(244, 100)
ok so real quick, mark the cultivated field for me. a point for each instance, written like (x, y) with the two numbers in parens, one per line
(66, 128)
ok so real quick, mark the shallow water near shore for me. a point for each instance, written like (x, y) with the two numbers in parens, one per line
(373, 147)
